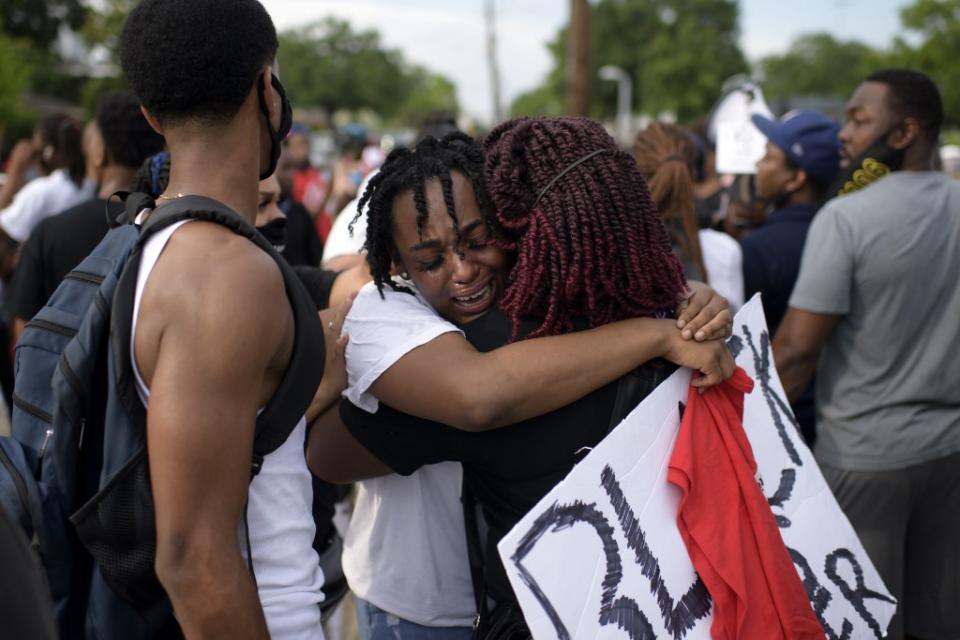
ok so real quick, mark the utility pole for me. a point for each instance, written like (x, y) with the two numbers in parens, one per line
(492, 61)
(578, 59)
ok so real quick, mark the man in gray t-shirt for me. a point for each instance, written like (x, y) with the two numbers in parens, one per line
(876, 311)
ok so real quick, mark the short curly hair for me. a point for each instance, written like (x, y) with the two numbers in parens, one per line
(127, 135)
(195, 59)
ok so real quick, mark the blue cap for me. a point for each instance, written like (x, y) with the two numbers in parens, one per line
(808, 138)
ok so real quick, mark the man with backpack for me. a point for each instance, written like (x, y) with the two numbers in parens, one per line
(213, 331)
(157, 459)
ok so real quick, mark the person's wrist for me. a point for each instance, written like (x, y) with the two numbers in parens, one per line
(667, 338)
(333, 393)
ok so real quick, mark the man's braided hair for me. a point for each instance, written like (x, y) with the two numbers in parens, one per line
(409, 170)
(590, 246)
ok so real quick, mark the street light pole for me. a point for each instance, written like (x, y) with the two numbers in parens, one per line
(624, 92)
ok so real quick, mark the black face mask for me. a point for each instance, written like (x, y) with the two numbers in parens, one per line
(286, 121)
(275, 232)
(877, 161)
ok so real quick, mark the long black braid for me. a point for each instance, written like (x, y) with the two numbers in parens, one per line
(409, 170)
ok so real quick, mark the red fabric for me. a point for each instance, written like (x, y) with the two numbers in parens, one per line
(309, 189)
(726, 523)
(323, 222)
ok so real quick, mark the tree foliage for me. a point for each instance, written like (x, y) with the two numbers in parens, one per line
(818, 65)
(678, 53)
(103, 26)
(426, 92)
(331, 66)
(937, 25)
(39, 20)
(14, 78)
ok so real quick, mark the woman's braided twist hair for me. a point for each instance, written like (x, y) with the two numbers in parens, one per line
(591, 246)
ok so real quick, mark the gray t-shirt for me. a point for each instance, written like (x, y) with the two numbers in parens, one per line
(887, 259)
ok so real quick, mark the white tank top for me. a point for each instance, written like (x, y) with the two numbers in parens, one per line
(279, 510)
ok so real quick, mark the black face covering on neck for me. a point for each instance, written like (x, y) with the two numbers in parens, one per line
(275, 232)
(877, 161)
(286, 121)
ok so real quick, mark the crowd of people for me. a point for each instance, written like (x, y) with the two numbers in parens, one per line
(483, 311)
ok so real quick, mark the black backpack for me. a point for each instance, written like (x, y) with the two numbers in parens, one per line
(75, 472)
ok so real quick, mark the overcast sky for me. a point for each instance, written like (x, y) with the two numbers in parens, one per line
(448, 36)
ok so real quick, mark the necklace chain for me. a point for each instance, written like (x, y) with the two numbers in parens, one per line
(165, 197)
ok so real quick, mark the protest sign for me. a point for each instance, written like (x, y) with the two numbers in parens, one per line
(738, 142)
(601, 556)
(739, 146)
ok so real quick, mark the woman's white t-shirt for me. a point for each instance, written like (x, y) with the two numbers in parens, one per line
(405, 550)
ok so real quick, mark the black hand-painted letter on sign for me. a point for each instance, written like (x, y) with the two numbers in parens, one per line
(622, 611)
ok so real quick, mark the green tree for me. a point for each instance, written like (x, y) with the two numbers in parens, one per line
(543, 101)
(331, 66)
(426, 92)
(678, 53)
(103, 25)
(937, 23)
(817, 65)
(39, 20)
(14, 76)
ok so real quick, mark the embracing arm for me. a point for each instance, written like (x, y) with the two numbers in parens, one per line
(334, 455)
(797, 345)
(206, 387)
(448, 381)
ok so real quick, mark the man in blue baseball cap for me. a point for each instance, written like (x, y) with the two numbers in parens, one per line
(801, 162)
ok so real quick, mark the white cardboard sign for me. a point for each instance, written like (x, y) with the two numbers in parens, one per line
(739, 146)
(601, 556)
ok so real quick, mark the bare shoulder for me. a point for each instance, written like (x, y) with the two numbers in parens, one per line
(208, 268)
(214, 292)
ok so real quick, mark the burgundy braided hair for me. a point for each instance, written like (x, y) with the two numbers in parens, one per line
(593, 247)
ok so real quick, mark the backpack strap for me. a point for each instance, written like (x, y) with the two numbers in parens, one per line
(133, 204)
(299, 383)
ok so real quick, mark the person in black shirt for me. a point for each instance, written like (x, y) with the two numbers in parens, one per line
(425, 221)
(120, 141)
(303, 246)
